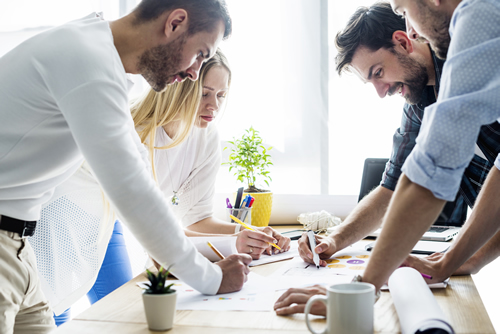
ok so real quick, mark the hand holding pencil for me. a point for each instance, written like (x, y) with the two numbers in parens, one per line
(272, 243)
(234, 272)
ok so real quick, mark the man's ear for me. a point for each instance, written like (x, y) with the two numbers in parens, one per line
(176, 23)
(401, 40)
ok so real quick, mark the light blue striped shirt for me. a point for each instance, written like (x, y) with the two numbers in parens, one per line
(469, 98)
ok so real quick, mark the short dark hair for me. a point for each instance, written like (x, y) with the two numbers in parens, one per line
(203, 14)
(371, 27)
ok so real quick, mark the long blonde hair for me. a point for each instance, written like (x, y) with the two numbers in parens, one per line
(178, 102)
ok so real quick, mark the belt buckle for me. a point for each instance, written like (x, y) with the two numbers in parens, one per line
(29, 229)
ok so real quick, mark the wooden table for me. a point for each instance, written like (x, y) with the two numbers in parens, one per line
(122, 312)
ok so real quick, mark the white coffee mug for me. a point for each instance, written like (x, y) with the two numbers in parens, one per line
(349, 309)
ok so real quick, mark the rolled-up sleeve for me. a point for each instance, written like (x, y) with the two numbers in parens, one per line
(469, 98)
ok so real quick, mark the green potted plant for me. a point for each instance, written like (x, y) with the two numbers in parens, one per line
(250, 161)
(159, 300)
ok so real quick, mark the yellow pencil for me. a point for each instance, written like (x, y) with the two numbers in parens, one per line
(215, 250)
(249, 228)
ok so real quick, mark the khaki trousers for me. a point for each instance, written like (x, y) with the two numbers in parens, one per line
(23, 306)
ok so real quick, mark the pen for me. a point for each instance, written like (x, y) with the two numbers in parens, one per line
(228, 203)
(312, 244)
(243, 205)
(216, 251)
(249, 204)
(249, 228)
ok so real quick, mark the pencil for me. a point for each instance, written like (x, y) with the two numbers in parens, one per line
(216, 251)
(249, 228)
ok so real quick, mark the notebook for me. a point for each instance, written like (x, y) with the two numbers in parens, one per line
(372, 174)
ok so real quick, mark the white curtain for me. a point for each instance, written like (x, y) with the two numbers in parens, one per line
(275, 54)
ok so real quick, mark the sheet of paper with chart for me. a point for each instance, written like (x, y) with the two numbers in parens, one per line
(257, 294)
(350, 262)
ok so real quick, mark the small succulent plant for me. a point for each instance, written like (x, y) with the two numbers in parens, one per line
(157, 283)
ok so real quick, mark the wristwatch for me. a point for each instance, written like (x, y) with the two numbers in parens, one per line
(358, 279)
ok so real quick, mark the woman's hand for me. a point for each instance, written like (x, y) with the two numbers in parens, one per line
(257, 242)
(283, 242)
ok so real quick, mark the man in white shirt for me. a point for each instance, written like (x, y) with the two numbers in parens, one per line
(64, 99)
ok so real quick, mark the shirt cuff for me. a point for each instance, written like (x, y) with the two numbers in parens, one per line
(497, 162)
(442, 182)
(237, 228)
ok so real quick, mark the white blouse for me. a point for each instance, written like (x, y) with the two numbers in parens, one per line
(190, 169)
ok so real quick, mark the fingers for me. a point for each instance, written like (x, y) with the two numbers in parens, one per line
(234, 272)
(293, 309)
(311, 291)
(268, 250)
(244, 258)
(434, 256)
(294, 301)
(283, 243)
(321, 247)
(267, 230)
(304, 250)
(260, 238)
(250, 242)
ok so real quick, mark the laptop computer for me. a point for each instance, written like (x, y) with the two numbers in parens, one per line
(372, 174)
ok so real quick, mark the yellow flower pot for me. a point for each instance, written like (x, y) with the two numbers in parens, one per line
(261, 208)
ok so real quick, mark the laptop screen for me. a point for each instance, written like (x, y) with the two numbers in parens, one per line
(372, 175)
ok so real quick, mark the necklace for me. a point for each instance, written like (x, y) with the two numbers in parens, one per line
(175, 199)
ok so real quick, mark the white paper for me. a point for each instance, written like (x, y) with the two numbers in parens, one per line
(257, 294)
(287, 282)
(416, 306)
(264, 258)
(298, 268)
(225, 245)
(254, 296)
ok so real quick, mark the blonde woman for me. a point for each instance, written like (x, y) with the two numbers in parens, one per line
(183, 149)
(187, 154)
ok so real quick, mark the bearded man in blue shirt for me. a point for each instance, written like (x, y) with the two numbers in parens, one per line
(375, 47)
(470, 98)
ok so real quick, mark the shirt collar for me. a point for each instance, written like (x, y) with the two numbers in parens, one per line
(438, 69)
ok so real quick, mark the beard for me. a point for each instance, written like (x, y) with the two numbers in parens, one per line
(416, 79)
(438, 34)
(160, 64)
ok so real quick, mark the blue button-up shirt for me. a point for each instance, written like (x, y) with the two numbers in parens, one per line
(468, 99)
(404, 140)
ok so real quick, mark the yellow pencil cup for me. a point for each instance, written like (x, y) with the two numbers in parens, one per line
(261, 208)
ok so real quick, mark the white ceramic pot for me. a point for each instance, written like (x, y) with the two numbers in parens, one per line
(160, 310)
